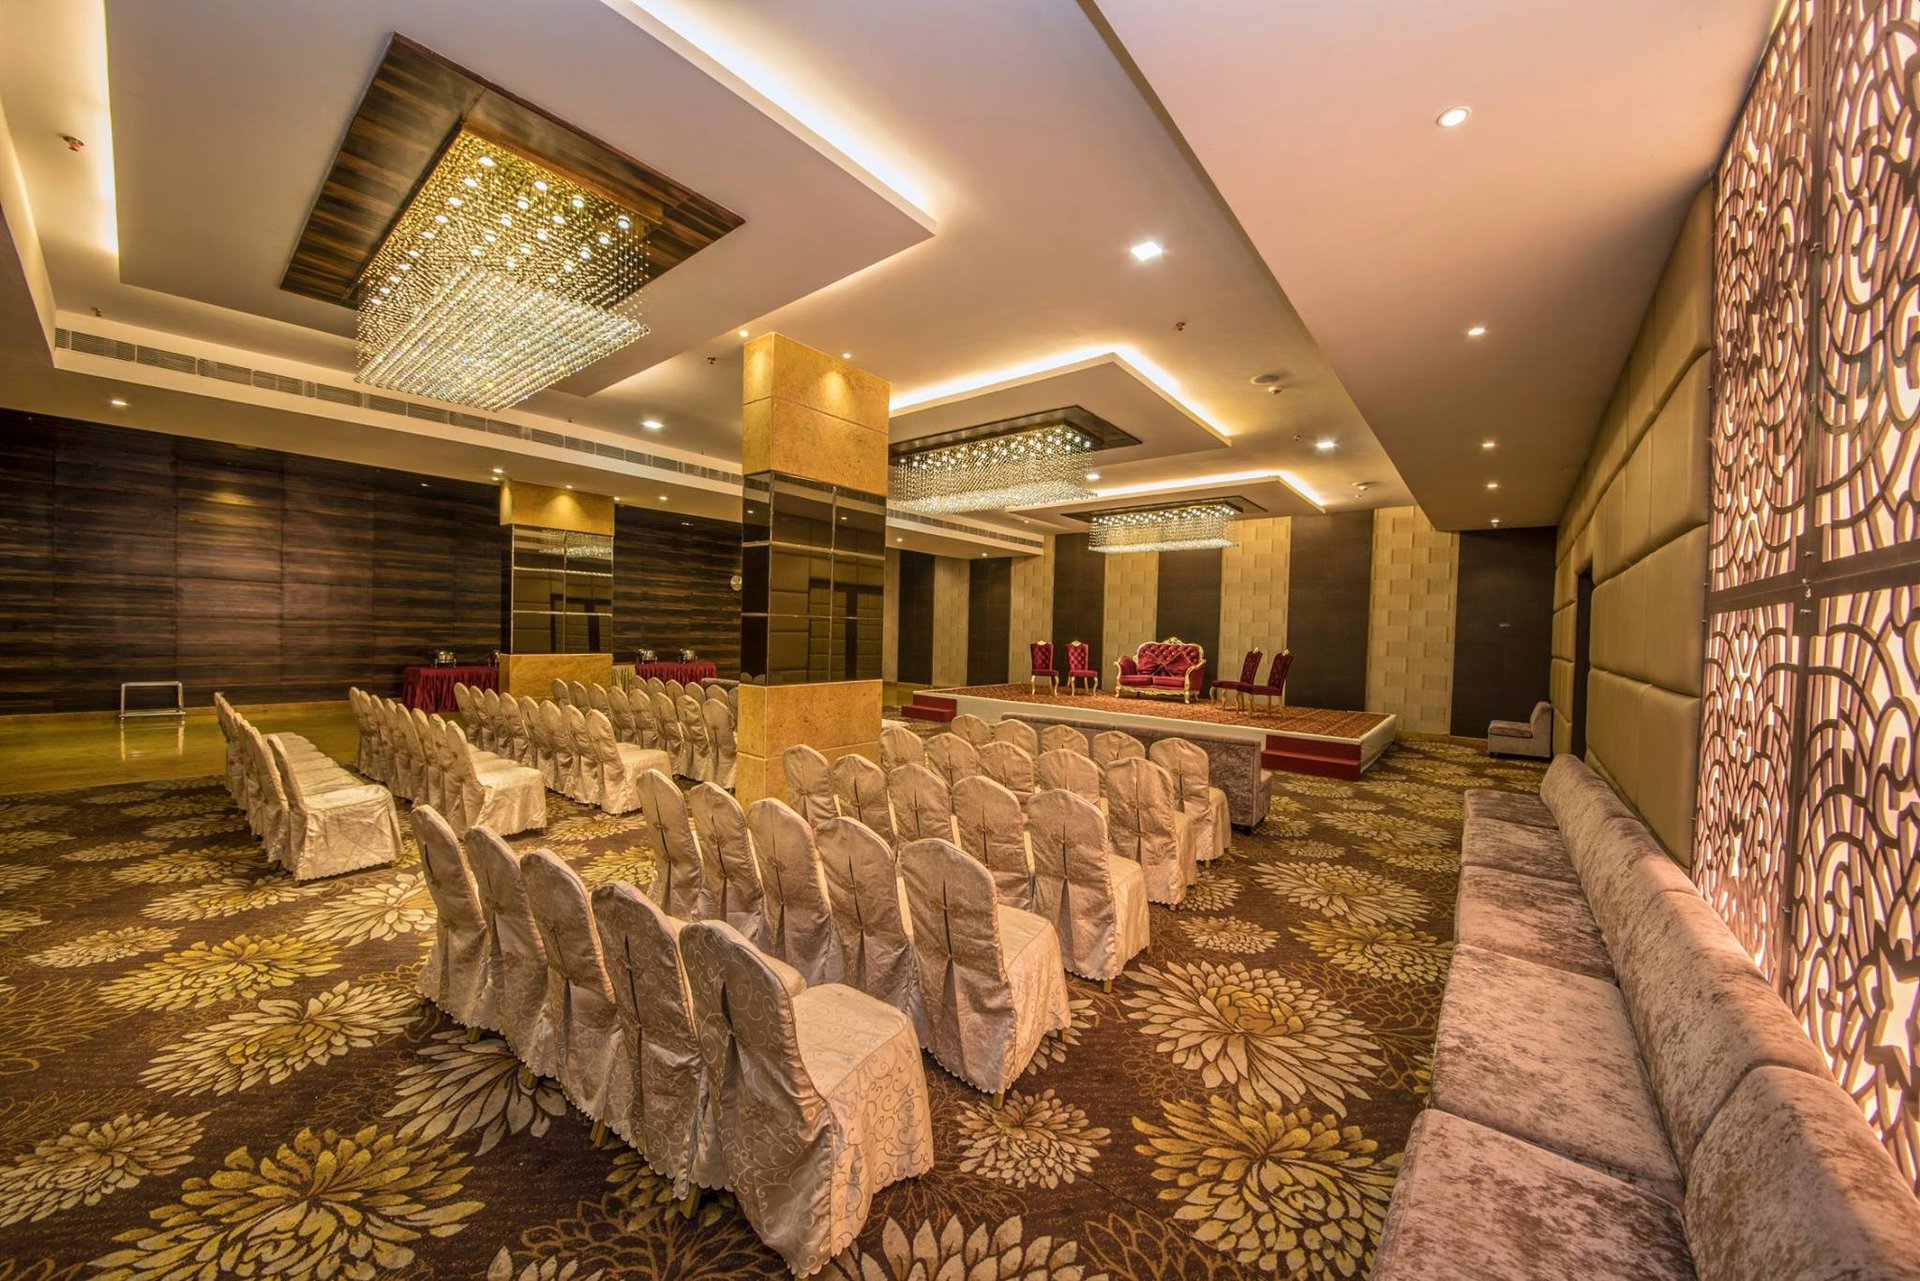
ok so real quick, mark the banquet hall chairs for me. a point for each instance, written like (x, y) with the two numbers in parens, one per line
(515, 741)
(577, 696)
(720, 739)
(993, 829)
(900, 746)
(1041, 662)
(1063, 736)
(1069, 771)
(673, 735)
(860, 786)
(1204, 804)
(809, 784)
(370, 757)
(1008, 764)
(733, 700)
(870, 914)
(491, 790)
(540, 743)
(972, 728)
(458, 975)
(595, 1068)
(599, 699)
(1018, 733)
(463, 708)
(799, 918)
(640, 945)
(499, 738)
(729, 873)
(561, 692)
(432, 786)
(674, 689)
(586, 779)
(646, 724)
(922, 804)
(617, 766)
(334, 822)
(1111, 745)
(952, 758)
(1080, 670)
(828, 1100)
(1249, 677)
(1095, 900)
(620, 712)
(236, 768)
(1146, 825)
(655, 685)
(409, 769)
(516, 958)
(991, 981)
(678, 885)
(693, 726)
(1276, 685)
(262, 796)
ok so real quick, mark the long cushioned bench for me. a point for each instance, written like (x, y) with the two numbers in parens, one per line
(1617, 1091)
(1233, 764)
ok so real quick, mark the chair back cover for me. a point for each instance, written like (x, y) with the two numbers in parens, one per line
(673, 735)
(577, 696)
(952, 757)
(1006, 763)
(655, 685)
(1040, 653)
(809, 784)
(427, 747)
(596, 1066)
(967, 1003)
(618, 791)
(585, 772)
(463, 701)
(922, 804)
(1187, 763)
(861, 787)
(640, 699)
(1018, 733)
(566, 762)
(1142, 825)
(457, 976)
(516, 956)
(620, 712)
(900, 746)
(1063, 737)
(674, 689)
(972, 728)
(561, 693)
(863, 884)
(719, 718)
(641, 945)
(1073, 886)
(693, 725)
(799, 917)
(600, 699)
(993, 829)
(1111, 745)
(678, 886)
(729, 875)
(1065, 770)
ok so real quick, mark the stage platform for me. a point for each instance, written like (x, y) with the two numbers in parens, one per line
(1304, 740)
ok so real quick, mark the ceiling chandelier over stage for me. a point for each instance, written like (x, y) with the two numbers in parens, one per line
(499, 278)
(1164, 529)
(1028, 468)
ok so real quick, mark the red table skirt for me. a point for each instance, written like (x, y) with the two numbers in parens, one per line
(431, 688)
(699, 670)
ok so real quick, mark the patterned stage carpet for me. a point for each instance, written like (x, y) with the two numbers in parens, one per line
(1281, 720)
(209, 1071)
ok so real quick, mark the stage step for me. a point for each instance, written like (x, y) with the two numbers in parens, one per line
(930, 707)
(1317, 756)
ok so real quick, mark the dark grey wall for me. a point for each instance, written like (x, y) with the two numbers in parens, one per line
(989, 619)
(1079, 599)
(915, 663)
(1503, 626)
(1329, 588)
(1189, 604)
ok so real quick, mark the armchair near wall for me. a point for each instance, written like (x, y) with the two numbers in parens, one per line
(1531, 737)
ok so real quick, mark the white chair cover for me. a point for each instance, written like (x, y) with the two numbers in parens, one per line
(900, 746)
(463, 703)
(655, 685)
(1111, 745)
(368, 757)
(599, 699)
(1188, 764)
(729, 873)
(640, 944)
(972, 728)
(809, 784)
(1057, 737)
(719, 718)
(345, 826)
(1146, 826)
(1018, 733)
(458, 975)
(674, 689)
(952, 758)
(640, 699)
(566, 761)
(561, 694)
(586, 771)
(426, 744)
(617, 766)
(860, 786)
(991, 982)
(693, 724)
(1095, 901)
(625, 727)
(515, 956)
(1064, 770)
(799, 917)
(673, 735)
(577, 697)
(1008, 764)
(500, 734)
(677, 887)
(993, 829)
(870, 913)
(488, 789)
(922, 805)
(828, 1099)
(595, 1062)
(539, 746)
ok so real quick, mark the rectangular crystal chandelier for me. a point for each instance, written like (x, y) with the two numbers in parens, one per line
(1017, 469)
(499, 278)
(1164, 529)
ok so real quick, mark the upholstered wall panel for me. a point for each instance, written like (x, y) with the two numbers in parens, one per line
(1187, 604)
(916, 618)
(1410, 630)
(952, 584)
(1329, 591)
(1080, 598)
(989, 615)
(1253, 594)
(1132, 606)
(1032, 610)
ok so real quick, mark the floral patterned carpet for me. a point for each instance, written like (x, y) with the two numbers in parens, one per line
(209, 1071)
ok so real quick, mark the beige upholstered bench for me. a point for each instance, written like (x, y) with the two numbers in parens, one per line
(1617, 1091)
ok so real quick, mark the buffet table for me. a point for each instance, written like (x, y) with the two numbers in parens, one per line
(431, 688)
(698, 670)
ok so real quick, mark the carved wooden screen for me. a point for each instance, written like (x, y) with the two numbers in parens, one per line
(1809, 788)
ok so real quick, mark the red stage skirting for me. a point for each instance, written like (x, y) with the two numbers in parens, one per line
(431, 688)
(698, 670)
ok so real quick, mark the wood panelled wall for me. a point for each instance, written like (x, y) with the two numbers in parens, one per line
(989, 618)
(1188, 606)
(1503, 626)
(916, 618)
(673, 586)
(1328, 606)
(128, 555)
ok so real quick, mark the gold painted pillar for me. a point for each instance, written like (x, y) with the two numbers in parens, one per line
(551, 534)
(813, 559)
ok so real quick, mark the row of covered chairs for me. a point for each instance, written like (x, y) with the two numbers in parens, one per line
(693, 725)
(574, 752)
(720, 1063)
(430, 761)
(313, 816)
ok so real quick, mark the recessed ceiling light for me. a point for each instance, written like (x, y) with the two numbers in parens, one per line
(1324, 445)
(663, 498)
(496, 471)
(1493, 484)
(899, 540)
(1147, 250)
(1496, 520)
(117, 403)
(569, 486)
(1453, 117)
(652, 424)
(1093, 475)
(846, 355)
(1478, 331)
(743, 333)
(1488, 444)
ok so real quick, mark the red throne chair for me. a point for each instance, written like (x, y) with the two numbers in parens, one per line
(1276, 677)
(1249, 677)
(1169, 668)
(1080, 666)
(1041, 655)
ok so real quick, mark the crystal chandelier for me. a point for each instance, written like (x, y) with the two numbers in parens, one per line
(500, 277)
(1018, 469)
(1164, 529)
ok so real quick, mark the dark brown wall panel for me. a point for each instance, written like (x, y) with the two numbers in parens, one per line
(989, 620)
(1079, 599)
(27, 608)
(673, 588)
(1503, 626)
(1329, 587)
(915, 665)
(1189, 603)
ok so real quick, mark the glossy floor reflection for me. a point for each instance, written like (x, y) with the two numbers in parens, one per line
(94, 749)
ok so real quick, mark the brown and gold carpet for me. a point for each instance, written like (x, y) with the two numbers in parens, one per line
(1280, 720)
(209, 1071)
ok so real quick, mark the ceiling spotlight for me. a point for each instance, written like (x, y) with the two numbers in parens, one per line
(496, 471)
(1453, 117)
(569, 486)
(424, 485)
(652, 424)
(1325, 444)
(663, 498)
(1147, 250)
(1493, 484)
(1478, 331)
(117, 403)
(1496, 520)
(1093, 475)
(899, 540)
(743, 333)
(1488, 444)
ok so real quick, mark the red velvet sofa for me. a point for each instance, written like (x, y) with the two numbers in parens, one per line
(1168, 668)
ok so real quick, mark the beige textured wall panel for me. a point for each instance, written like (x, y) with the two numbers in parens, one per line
(1253, 594)
(1560, 693)
(1669, 726)
(807, 414)
(1678, 448)
(1674, 594)
(1032, 612)
(951, 579)
(1132, 602)
(544, 507)
(1563, 620)
(1413, 594)
(890, 621)
(836, 717)
(1636, 526)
